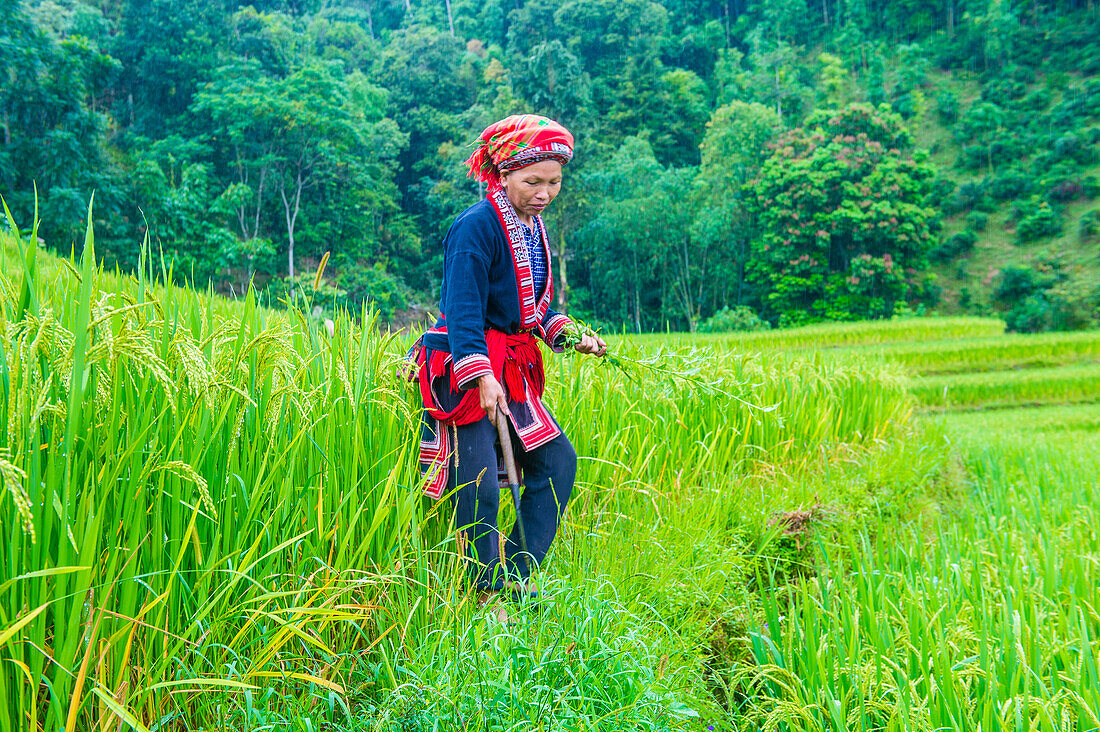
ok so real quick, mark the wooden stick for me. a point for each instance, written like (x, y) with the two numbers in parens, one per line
(513, 480)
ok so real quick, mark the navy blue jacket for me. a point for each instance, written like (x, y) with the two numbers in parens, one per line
(487, 284)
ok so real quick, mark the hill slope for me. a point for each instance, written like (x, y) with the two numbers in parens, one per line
(1024, 198)
(247, 139)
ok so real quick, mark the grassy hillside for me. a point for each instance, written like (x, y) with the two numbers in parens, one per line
(969, 278)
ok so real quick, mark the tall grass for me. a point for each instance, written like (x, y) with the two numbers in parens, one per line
(212, 520)
(207, 497)
(649, 433)
(212, 515)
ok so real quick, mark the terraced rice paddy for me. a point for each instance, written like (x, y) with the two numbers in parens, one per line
(979, 612)
(211, 522)
(994, 353)
(1061, 384)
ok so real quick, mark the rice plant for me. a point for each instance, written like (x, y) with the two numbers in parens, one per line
(1081, 420)
(212, 518)
(208, 497)
(998, 353)
(834, 335)
(212, 511)
(983, 618)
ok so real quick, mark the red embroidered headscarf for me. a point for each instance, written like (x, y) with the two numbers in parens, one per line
(516, 142)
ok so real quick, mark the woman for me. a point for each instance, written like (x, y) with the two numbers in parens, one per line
(480, 362)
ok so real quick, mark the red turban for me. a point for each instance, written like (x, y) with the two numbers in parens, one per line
(516, 142)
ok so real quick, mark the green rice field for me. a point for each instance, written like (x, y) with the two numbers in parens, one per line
(211, 521)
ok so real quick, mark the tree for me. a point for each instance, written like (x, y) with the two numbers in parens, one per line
(833, 76)
(551, 81)
(166, 48)
(315, 134)
(272, 39)
(285, 137)
(843, 221)
(984, 125)
(53, 132)
(235, 106)
(253, 136)
(186, 226)
(678, 116)
(422, 70)
(637, 239)
(774, 75)
(733, 149)
(608, 35)
(688, 262)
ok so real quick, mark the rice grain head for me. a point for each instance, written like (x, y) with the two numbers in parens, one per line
(182, 470)
(13, 478)
(185, 355)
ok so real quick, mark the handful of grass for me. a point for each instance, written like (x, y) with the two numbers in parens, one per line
(685, 367)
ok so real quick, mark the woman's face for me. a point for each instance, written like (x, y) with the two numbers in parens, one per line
(531, 189)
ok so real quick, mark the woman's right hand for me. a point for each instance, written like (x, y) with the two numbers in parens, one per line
(493, 400)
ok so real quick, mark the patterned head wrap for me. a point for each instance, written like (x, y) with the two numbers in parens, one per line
(516, 142)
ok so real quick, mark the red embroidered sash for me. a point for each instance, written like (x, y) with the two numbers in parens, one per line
(517, 363)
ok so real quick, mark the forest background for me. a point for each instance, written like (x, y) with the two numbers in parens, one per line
(739, 164)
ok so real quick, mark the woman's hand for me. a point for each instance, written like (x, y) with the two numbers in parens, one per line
(592, 344)
(492, 397)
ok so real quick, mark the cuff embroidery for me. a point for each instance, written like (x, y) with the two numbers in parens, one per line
(470, 368)
(554, 330)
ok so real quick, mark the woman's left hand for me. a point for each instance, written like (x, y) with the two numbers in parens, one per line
(591, 344)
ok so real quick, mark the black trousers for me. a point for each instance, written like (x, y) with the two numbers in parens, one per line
(548, 475)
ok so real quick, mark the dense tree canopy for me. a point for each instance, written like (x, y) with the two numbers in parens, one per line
(729, 153)
(841, 208)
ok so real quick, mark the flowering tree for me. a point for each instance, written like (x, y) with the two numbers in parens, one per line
(843, 221)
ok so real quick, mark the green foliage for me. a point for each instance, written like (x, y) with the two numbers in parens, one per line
(947, 106)
(374, 105)
(833, 75)
(1016, 284)
(734, 147)
(982, 127)
(841, 205)
(384, 292)
(53, 127)
(1088, 226)
(1036, 219)
(955, 245)
(287, 136)
(1009, 183)
(738, 319)
(977, 221)
(1048, 297)
(633, 234)
(972, 195)
(1090, 187)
